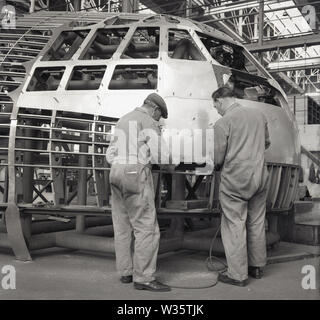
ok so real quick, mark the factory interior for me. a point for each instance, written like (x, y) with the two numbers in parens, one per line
(69, 69)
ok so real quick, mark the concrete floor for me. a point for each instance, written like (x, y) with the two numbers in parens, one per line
(64, 274)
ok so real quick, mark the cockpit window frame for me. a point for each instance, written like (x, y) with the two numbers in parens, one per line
(194, 45)
(94, 36)
(47, 52)
(129, 40)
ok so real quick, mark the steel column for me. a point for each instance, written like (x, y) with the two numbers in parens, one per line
(188, 8)
(27, 179)
(32, 6)
(82, 181)
(261, 24)
(178, 193)
(130, 6)
(77, 5)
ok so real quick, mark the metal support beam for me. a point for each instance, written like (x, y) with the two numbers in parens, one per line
(286, 43)
(297, 64)
(290, 82)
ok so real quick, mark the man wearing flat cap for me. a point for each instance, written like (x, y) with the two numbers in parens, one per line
(136, 144)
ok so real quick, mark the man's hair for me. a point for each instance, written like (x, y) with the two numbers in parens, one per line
(223, 92)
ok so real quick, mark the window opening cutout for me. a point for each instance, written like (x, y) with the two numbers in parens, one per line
(313, 111)
(105, 44)
(182, 46)
(251, 87)
(86, 77)
(46, 79)
(242, 75)
(65, 46)
(144, 44)
(130, 77)
(227, 54)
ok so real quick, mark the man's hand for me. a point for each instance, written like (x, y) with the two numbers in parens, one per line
(111, 153)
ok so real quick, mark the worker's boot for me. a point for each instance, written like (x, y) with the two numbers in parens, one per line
(255, 272)
(154, 285)
(223, 277)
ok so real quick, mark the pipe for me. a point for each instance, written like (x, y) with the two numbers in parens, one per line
(42, 241)
(106, 231)
(56, 226)
(170, 244)
(110, 49)
(84, 84)
(89, 242)
(133, 84)
(38, 227)
(191, 241)
(104, 40)
(78, 241)
(48, 240)
(107, 49)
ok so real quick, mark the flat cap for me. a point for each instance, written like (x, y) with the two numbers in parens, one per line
(153, 99)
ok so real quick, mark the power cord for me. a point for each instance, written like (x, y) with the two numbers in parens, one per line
(209, 262)
(210, 266)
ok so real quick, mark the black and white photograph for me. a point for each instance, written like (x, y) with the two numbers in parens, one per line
(160, 156)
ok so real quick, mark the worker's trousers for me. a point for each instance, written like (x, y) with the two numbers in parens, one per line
(136, 230)
(243, 232)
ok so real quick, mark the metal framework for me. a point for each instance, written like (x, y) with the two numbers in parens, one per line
(63, 150)
(283, 28)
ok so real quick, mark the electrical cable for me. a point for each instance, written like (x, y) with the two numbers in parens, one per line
(210, 265)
